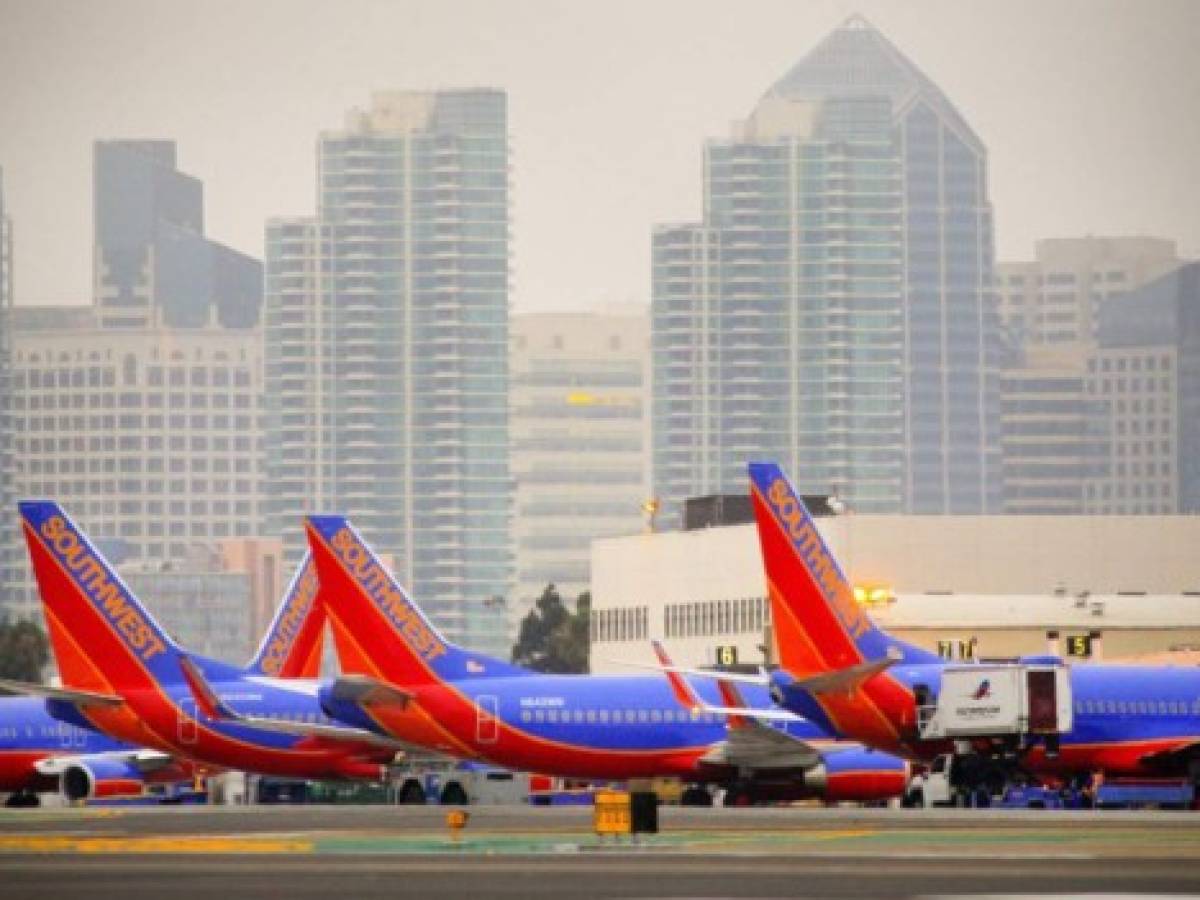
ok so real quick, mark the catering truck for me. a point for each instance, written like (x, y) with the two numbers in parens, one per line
(999, 700)
(989, 714)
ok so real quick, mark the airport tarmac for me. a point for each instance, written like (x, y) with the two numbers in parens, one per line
(310, 851)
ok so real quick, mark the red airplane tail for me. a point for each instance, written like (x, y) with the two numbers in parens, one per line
(379, 630)
(104, 639)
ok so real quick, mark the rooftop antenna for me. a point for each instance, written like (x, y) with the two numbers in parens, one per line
(650, 508)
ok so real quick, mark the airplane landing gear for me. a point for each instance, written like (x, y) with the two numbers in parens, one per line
(23, 800)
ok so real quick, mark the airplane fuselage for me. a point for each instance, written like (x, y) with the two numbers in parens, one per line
(1122, 715)
(168, 711)
(615, 727)
(29, 734)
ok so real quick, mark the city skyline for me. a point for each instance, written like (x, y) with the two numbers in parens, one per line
(832, 309)
(1078, 103)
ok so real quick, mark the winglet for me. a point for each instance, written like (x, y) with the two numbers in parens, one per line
(79, 698)
(737, 714)
(733, 699)
(683, 692)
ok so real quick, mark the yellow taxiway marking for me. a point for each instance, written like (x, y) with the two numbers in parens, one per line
(836, 835)
(48, 844)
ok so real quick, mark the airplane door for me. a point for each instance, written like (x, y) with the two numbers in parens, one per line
(1043, 703)
(187, 720)
(487, 719)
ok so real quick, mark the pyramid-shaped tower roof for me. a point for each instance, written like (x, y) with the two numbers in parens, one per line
(857, 60)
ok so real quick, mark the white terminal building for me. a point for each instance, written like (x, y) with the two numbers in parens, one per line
(1003, 582)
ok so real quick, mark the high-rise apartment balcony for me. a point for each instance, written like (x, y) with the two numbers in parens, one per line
(358, 390)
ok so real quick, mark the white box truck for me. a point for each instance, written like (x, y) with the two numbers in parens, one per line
(994, 700)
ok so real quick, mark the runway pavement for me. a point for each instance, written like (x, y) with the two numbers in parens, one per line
(522, 852)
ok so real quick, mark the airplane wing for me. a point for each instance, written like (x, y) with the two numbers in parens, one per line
(79, 698)
(749, 742)
(764, 715)
(826, 683)
(762, 680)
(735, 708)
(144, 760)
(345, 733)
(754, 745)
(211, 704)
(152, 760)
(1175, 760)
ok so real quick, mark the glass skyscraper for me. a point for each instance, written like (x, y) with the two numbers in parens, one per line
(1144, 384)
(11, 560)
(153, 264)
(1055, 388)
(833, 310)
(387, 351)
(579, 436)
(143, 413)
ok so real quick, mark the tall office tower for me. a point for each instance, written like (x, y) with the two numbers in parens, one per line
(151, 438)
(1046, 423)
(11, 561)
(153, 265)
(142, 414)
(579, 443)
(1055, 298)
(1144, 378)
(387, 350)
(1050, 308)
(834, 309)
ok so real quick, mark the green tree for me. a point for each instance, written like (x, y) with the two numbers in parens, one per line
(569, 643)
(551, 639)
(24, 650)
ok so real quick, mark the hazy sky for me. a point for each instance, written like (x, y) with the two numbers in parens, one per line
(1090, 111)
